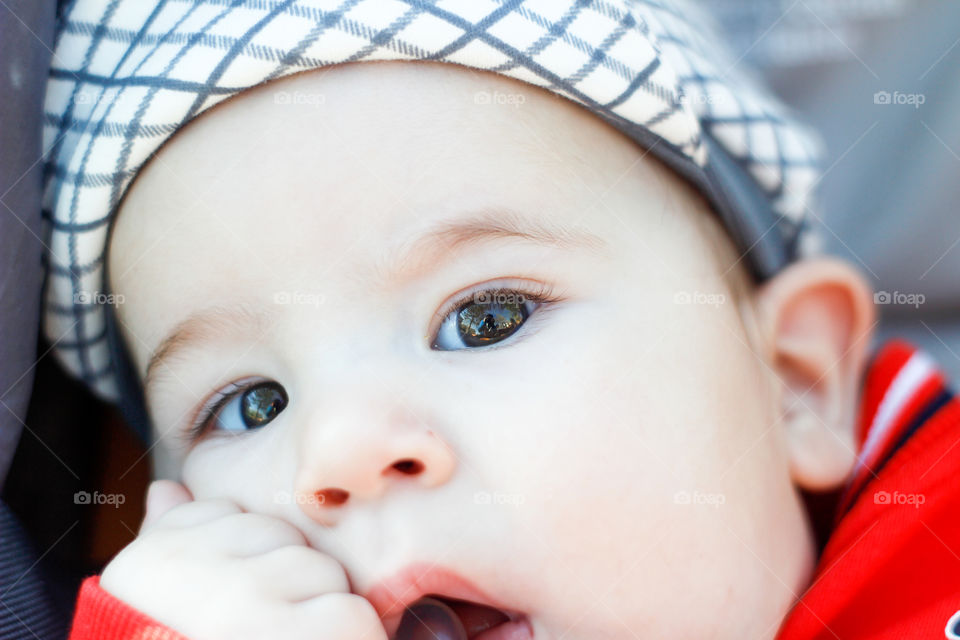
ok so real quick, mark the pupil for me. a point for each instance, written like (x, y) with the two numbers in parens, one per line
(261, 405)
(481, 324)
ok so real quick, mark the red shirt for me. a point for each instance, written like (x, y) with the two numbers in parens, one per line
(891, 568)
(101, 616)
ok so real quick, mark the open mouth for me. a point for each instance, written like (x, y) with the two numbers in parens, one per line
(437, 617)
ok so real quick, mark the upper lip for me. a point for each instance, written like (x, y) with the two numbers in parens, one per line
(391, 596)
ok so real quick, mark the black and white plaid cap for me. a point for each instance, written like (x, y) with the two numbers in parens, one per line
(127, 74)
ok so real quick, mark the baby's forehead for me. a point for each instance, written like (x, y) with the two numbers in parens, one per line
(391, 114)
(375, 150)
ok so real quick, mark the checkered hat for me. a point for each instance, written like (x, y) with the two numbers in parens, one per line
(127, 74)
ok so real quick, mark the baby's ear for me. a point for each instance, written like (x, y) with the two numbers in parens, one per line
(817, 317)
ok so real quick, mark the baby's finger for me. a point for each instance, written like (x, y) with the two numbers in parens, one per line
(162, 496)
(246, 534)
(340, 616)
(194, 513)
(296, 573)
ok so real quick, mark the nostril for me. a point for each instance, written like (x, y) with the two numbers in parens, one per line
(332, 497)
(408, 466)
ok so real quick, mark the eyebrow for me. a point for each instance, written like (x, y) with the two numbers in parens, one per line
(442, 241)
(439, 244)
(217, 321)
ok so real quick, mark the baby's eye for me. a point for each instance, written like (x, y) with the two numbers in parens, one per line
(486, 318)
(251, 408)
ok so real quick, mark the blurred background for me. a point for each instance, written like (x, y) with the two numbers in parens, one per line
(880, 79)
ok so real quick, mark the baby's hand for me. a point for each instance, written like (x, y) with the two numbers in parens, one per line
(210, 570)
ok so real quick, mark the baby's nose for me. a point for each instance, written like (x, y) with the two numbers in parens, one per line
(336, 496)
(353, 466)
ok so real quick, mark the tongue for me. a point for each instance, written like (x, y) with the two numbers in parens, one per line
(476, 618)
(431, 618)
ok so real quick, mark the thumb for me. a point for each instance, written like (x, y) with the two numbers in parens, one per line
(163, 495)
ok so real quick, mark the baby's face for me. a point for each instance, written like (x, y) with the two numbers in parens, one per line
(460, 321)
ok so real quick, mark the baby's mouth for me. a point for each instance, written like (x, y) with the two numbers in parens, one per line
(435, 617)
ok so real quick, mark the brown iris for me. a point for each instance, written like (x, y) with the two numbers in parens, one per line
(486, 323)
(261, 404)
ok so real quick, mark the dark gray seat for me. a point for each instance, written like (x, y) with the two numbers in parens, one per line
(27, 608)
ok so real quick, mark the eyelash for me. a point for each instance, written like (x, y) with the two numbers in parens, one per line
(211, 407)
(542, 294)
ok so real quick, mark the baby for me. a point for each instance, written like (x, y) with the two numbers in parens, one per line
(431, 351)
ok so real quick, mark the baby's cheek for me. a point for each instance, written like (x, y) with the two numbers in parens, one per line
(614, 527)
(207, 472)
(236, 470)
(612, 475)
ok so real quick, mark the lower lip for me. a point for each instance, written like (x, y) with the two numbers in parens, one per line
(514, 630)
